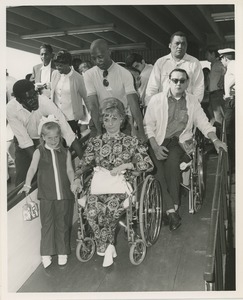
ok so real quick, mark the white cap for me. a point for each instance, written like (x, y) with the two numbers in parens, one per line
(226, 51)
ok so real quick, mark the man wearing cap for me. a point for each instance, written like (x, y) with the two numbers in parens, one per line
(178, 58)
(227, 57)
(107, 79)
(23, 114)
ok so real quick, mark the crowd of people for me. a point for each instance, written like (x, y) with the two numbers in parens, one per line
(140, 117)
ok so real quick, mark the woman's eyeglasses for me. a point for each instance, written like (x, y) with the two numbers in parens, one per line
(105, 81)
(175, 80)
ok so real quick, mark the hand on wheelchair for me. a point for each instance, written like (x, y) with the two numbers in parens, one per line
(219, 144)
(161, 152)
(76, 186)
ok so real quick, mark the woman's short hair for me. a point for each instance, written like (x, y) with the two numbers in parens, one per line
(63, 57)
(113, 104)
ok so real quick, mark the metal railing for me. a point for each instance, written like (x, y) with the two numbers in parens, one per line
(215, 269)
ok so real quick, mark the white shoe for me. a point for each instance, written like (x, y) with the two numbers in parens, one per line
(110, 252)
(46, 260)
(62, 260)
(101, 253)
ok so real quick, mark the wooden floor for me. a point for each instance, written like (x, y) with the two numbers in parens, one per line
(175, 263)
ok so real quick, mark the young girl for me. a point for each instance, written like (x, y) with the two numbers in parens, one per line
(55, 173)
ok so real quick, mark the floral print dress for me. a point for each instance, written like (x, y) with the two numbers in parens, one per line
(103, 211)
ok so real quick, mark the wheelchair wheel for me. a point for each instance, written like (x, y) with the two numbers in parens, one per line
(150, 211)
(137, 252)
(85, 249)
(198, 184)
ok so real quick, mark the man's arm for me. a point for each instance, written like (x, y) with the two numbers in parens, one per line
(133, 103)
(153, 86)
(93, 107)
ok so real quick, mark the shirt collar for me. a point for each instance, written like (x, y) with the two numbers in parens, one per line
(68, 74)
(49, 148)
(46, 67)
(184, 58)
(171, 97)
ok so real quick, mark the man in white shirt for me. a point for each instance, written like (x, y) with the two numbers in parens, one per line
(169, 120)
(227, 57)
(178, 58)
(23, 114)
(108, 79)
(136, 61)
(41, 74)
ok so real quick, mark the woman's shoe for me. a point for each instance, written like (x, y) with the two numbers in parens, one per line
(46, 260)
(110, 252)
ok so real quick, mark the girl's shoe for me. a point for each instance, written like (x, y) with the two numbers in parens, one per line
(46, 260)
(62, 260)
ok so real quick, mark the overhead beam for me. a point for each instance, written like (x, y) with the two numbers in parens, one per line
(98, 14)
(16, 39)
(133, 20)
(33, 14)
(133, 46)
(190, 25)
(206, 14)
(26, 48)
(152, 13)
(22, 22)
(70, 31)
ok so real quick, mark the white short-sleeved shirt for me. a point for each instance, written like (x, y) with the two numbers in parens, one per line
(25, 123)
(120, 84)
(228, 77)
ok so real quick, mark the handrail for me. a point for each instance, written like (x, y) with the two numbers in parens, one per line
(13, 196)
(214, 274)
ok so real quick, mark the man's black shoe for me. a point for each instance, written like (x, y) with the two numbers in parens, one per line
(165, 219)
(174, 221)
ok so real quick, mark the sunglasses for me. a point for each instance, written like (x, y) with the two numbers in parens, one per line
(105, 81)
(175, 80)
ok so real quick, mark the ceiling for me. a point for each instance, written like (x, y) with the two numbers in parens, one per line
(124, 27)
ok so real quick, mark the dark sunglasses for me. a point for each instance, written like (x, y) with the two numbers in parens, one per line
(175, 80)
(105, 81)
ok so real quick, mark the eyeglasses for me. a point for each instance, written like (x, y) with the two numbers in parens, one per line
(105, 81)
(175, 80)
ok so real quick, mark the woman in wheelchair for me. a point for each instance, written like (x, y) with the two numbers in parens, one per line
(112, 154)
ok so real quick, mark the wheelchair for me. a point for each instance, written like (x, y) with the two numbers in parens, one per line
(143, 220)
(196, 186)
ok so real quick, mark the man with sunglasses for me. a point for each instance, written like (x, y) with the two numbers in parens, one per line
(107, 79)
(169, 120)
(23, 114)
(178, 58)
